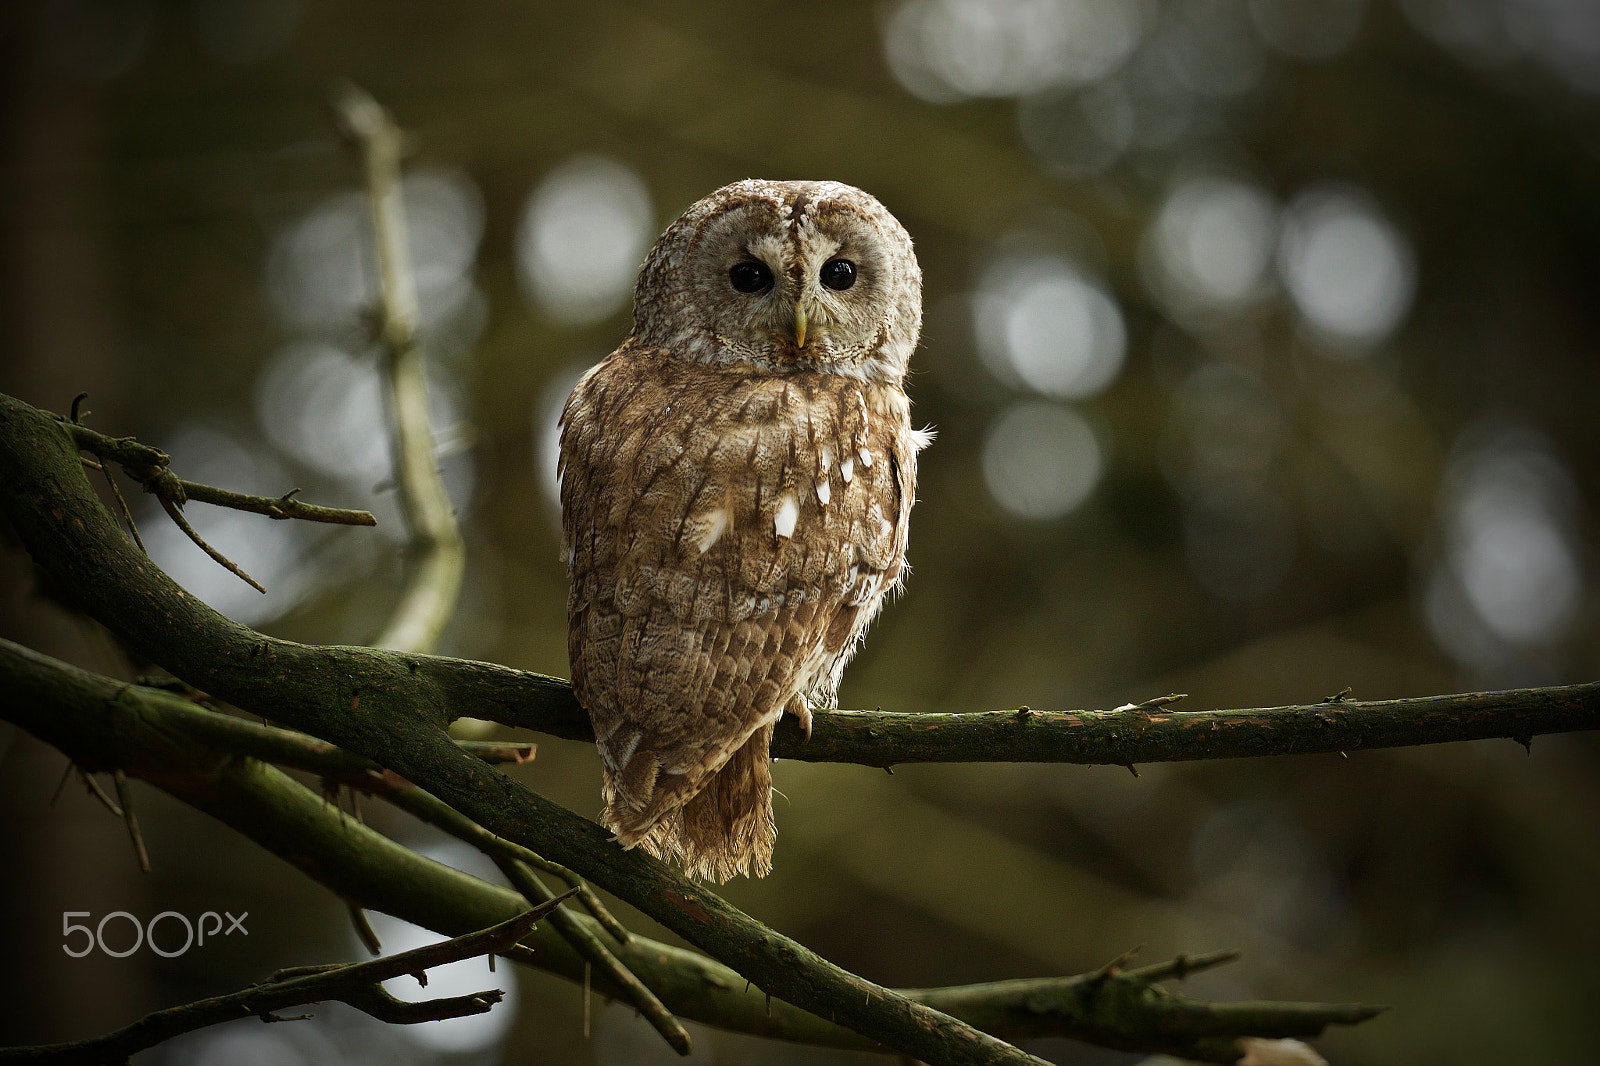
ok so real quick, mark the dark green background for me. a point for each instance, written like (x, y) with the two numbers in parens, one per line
(144, 181)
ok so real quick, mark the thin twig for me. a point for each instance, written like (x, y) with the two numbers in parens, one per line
(279, 507)
(127, 515)
(513, 860)
(97, 792)
(364, 931)
(1184, 965)
(150, 467)
(586, 895)
(358, 984)
(222, 560)
(597, 954)
(131, 820)
(66, 772)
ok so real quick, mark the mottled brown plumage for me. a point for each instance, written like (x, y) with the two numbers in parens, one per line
(736, 485)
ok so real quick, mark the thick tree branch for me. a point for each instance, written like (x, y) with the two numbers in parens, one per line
(1099, 737)
(358, 984)
(1084, 737)
(393, 707)
(1125, 737)
(383, 706)
(154, 733)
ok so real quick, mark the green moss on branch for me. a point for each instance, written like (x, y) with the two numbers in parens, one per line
(163, 738)
(388, 707)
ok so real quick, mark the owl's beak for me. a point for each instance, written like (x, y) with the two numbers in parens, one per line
(799, 325)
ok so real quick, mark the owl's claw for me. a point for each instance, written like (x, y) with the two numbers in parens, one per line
(804, 714)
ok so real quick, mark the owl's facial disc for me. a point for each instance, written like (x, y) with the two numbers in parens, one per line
(802, 275)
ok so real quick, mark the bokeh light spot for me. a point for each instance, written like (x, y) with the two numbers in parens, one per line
(1563, 35)
(1211, 245)
(1314, 30)
(1226, 425)
(1046, 325)
(475, 1033)
(583, 234)
(1510, 580)
(1350, 272)
(1078, 133)
(949, 50)
(325, 408)
(1212, 47)
(1041, 460)
(454, 1036)
(274, 553)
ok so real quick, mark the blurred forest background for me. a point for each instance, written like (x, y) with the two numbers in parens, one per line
(1260, 338)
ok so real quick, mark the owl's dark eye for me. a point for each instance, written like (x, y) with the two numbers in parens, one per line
(750, 277)
(838, 274)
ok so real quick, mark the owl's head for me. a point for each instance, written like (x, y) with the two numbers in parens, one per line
(784, 275)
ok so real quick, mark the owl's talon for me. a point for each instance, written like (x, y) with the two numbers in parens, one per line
(802, 714)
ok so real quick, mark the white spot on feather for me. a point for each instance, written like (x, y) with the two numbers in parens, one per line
(827, 459)
(866, 459)
(788, 513)
(617, 758)
(847, 469)
(716, 525)
(824, 491)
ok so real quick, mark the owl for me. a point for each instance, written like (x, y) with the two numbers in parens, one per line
(736, 483)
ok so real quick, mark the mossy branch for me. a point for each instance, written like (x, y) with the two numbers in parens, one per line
(1116, 737)
(163, 738)
(1153, 732)
(383, 706)
(392, 708)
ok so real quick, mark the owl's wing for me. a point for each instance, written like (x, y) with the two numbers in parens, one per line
(728, 537)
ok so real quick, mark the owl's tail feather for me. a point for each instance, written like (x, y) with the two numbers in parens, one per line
(634, 805)
(728, 828)
(724, 828)
(642, 801)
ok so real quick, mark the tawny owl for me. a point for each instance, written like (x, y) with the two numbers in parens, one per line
(736, 482)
